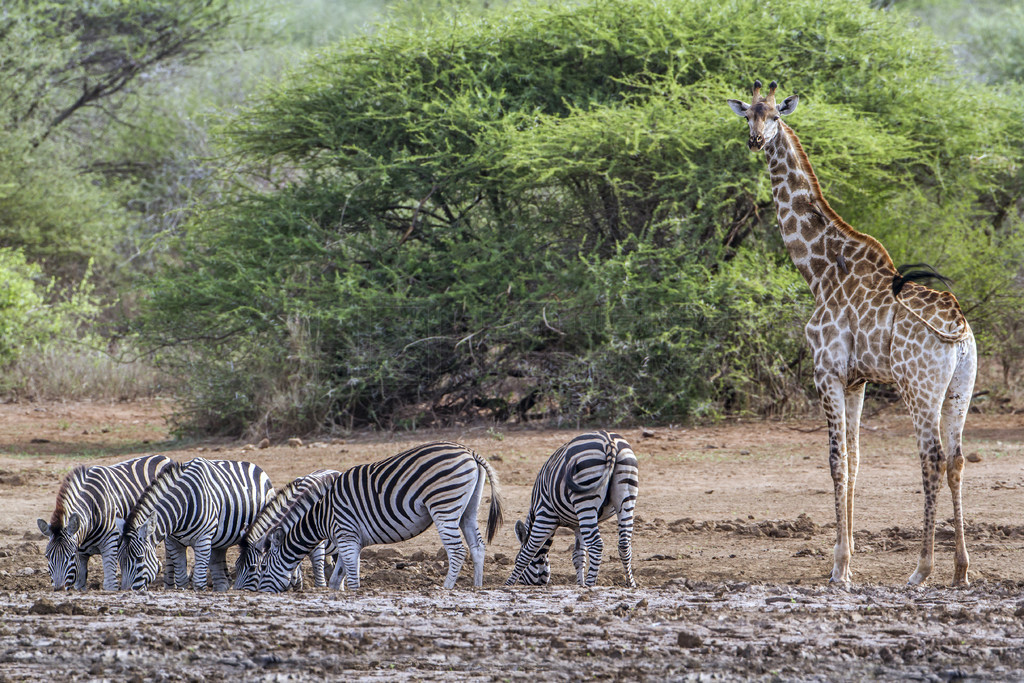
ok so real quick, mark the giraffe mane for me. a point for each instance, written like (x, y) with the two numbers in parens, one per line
(63, 510)
(826, 209)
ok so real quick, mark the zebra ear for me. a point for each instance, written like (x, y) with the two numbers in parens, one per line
(276, 538)
(119, 525)
(44, 528)
(73, 523)
(522, 533)
(145, 529)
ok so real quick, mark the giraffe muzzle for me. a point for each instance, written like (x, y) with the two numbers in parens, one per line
(756, 142)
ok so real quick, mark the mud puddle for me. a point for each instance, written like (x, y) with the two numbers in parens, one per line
(684, 631)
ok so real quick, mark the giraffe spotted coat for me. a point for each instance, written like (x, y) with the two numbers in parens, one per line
(869, 325)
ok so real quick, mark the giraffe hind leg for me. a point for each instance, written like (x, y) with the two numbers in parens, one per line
(954, 414)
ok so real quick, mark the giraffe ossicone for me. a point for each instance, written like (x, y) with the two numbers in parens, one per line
(871, 323)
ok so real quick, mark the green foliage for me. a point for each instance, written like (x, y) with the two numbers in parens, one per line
(548, 210)
(986, 34)
(31, 316)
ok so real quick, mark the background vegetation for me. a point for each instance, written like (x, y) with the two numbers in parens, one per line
(509, 211)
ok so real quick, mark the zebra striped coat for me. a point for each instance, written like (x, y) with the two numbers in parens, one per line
(206, 504)
(386, 502)
(89, 501)
(252, 547)
(583, 483)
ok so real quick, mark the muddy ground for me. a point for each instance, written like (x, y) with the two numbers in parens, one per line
(732, 553)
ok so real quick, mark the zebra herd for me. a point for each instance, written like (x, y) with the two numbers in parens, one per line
(124, 511)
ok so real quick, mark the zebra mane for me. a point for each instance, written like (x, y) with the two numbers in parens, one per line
(146, 504)
(66, 495)
(272, 512)
(310, 492)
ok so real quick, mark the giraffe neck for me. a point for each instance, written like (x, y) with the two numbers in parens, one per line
(824, 248)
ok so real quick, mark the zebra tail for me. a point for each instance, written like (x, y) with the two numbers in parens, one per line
(496, 513)
(610, 453)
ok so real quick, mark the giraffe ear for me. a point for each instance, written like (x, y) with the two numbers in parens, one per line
(739, 107)
(788, 105)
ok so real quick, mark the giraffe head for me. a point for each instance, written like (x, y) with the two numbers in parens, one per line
(762, 114)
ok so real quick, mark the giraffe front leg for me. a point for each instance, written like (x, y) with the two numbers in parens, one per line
(833, 401)
(854, 406)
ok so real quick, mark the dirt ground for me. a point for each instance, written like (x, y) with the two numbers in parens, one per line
(732, 551)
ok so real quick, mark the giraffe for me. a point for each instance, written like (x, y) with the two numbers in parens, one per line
(871, 323)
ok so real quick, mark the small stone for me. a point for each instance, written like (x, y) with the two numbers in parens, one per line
(265, 443)
(689, 640)
(974, 457)
(248, 447)
(294, 442)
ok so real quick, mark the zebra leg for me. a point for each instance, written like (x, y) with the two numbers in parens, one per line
(83, 571)
(452, 542)
(108, 554)
(316, 558)
(542, 530)
(176, 571)
(298, 580)
(202, 550)
(626, 544)
(347, 568)
(591, 536)
(219, 569)
(577, 558)
(477, 550)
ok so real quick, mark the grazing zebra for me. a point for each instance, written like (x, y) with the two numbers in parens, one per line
(583, 483)
(206, 504)
(386, 502)
(252, 546)
(89, 501)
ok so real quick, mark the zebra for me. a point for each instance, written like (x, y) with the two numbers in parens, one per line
(206, 504)
(89, 501)
(252, 546)
(385, 502)
(584, 482)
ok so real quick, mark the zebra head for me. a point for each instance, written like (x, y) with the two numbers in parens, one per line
(275, 570)
(136, 555)
(62, 551)
(247, 566)
(538, 572)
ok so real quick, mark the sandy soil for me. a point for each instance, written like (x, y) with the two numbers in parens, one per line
(732, 553)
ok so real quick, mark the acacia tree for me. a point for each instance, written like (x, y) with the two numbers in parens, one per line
(71, 70)
(546, 211)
